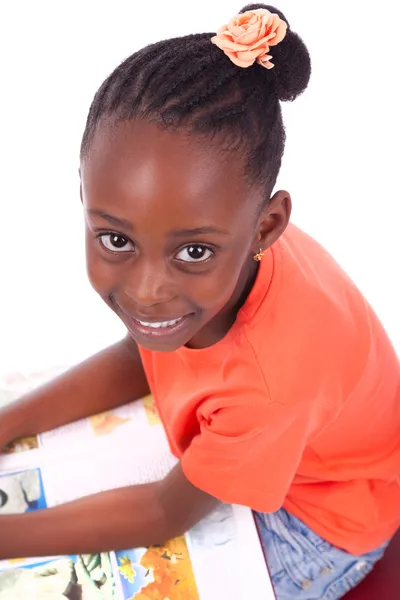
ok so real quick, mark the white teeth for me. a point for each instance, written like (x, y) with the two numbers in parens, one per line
(161, 323)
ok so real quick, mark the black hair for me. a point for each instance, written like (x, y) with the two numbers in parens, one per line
(188, 82)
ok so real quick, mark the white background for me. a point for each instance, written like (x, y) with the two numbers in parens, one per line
(341, 163)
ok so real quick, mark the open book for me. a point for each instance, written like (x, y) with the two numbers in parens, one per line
(221, 558)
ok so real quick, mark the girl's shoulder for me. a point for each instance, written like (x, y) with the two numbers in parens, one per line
(313, 327)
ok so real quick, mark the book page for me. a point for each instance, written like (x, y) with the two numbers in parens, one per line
(136, 424)
(221, 557)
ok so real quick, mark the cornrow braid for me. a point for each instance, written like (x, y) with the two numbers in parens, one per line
(189, 82)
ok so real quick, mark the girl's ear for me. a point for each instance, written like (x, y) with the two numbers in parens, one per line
(273, 220)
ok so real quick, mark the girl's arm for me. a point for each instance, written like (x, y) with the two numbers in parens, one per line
(111, 378)
(119, 519)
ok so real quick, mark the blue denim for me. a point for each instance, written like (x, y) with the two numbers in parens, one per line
(303, 566)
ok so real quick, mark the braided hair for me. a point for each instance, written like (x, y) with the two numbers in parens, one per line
(187, 82)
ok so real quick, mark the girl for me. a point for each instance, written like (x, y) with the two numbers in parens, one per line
(276, 383)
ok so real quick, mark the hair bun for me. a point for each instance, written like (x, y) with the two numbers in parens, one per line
(292, 62)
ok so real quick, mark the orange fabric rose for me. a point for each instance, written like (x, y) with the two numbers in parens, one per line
(248, 36)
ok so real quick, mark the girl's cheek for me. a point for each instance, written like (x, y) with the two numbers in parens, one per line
(214, 290)
(96, 281)
(101, 276)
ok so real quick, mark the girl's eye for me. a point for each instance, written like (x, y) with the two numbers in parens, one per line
(195, 253)
(116, 243)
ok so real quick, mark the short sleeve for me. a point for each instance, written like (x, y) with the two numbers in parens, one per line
(247, 453)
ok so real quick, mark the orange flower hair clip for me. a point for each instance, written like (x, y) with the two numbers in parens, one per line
(248, 36)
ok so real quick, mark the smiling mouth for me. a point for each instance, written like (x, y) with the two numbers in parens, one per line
(159, 324)
(156, 330)
(152, 330)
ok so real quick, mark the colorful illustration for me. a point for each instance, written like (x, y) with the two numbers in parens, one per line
(88, 577)
(158, 572)
(22, 445)
(126, 569)
(152, 415)
(21, 492)
(105, 423)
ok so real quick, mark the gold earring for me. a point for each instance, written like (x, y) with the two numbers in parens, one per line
(259, 256)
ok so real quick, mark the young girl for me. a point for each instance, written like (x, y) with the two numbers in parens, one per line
(276, 383)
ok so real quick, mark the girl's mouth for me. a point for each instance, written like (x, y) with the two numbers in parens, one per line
(157, 330)
(162, 324)
(152, 331)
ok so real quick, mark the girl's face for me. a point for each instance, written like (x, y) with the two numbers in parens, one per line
(171, 228)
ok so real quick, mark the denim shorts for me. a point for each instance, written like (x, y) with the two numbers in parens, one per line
(303, 566)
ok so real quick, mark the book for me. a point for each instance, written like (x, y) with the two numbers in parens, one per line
(221, 557)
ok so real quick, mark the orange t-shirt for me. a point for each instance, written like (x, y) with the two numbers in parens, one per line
(299, 404)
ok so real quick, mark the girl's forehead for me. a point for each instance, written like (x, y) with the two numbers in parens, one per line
(138, 157)
(160, 182)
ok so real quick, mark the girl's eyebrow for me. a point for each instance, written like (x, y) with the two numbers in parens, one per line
(199, 230)
(176, 233)
(114, 220)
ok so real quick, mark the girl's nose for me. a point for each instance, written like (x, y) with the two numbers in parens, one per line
(149, 283)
